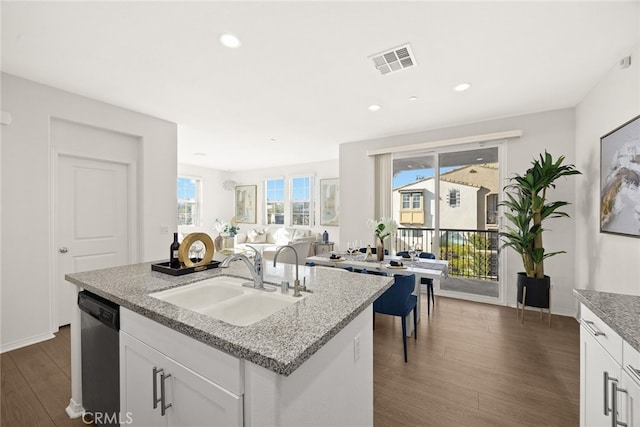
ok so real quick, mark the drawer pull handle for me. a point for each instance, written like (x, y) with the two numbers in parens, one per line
(635, 372)
(614, 405)
(156, 371)
(607, 378)
(589, 324)
(163, 395)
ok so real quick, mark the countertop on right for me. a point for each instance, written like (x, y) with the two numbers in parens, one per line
(621, 312)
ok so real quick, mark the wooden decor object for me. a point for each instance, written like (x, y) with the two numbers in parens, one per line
(190, 239)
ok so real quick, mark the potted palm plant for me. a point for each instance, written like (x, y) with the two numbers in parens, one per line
(528, 206)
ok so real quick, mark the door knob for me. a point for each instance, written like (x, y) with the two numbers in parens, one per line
(63, 250)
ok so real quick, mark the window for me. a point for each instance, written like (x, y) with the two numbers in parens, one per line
(454, 198)
(189, 201)
(417, 200)
(412, 211)
(274, 201)
(406, 200)
(301, 202)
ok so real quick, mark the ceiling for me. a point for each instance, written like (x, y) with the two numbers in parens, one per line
(301, 82)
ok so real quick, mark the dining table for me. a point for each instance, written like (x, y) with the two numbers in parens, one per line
(421, 267)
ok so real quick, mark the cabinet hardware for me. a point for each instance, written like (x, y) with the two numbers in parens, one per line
(614, 405)
(589, 324)
(634, 372)
(156, 371)
(163, 396)
(607, 378)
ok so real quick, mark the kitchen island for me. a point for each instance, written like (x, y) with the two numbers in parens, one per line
(309, 363)
(609, 358)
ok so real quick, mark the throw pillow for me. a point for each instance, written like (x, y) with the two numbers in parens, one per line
(281, 236)
(260, 238)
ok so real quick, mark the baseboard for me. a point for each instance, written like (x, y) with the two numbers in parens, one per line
(25, 342)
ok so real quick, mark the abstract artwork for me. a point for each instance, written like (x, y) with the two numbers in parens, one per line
(620, 180)
(330, 201)
(246, 204)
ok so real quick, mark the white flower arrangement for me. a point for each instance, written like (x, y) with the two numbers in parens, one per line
(224, 228)
(220, 226)
(383, 227)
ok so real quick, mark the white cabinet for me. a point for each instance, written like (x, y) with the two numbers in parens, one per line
(596, 370)
(136, 388)
(609, 382)
(156, 390)
(629, 396)
(628, 393)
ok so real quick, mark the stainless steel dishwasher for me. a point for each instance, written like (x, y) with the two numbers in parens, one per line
(100, 323)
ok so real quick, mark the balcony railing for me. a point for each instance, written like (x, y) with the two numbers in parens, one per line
(472, 254)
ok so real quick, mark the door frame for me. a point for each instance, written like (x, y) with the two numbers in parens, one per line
(436, 150)
(132, 217)
(501, 146)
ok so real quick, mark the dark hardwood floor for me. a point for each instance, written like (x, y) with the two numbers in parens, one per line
(476, 365)
(36, 384)
(472, 365)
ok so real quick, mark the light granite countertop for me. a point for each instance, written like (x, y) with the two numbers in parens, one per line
(620, 312)
(281, 342)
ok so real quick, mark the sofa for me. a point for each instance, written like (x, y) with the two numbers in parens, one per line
(268, 240)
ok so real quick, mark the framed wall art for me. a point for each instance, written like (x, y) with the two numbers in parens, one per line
(330, 201)
(620, 180)
(246, 204)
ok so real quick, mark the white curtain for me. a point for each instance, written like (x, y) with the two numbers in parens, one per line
(383, 190)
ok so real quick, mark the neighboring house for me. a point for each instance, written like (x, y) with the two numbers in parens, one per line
(468, 196)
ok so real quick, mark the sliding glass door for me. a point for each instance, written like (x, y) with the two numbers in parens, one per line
(446, 203)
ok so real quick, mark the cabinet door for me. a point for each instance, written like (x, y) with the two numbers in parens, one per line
(595, 394)
(196, 401)
(629, 406)
(137, 361)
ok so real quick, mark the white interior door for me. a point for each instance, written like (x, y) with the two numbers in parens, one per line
(92, 202)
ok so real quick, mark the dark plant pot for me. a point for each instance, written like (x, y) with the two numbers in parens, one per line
(537, 290)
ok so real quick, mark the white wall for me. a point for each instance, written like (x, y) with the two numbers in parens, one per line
(321, 170)
(26, 218)
(217, 203)
(552, 130)
(604, 262)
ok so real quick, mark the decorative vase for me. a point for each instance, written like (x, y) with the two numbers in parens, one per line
(537, 290)
(380, 251)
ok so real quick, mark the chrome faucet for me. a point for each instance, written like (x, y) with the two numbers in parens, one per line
(296, 283)
(255, 268)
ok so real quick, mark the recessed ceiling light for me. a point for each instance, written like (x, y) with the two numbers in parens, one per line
(272, 140)
(413, 98)
(200, 154)
(229, 40)
(479, 158)
(374, 107)
(462, 87)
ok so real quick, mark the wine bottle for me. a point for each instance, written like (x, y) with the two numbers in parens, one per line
(174, 261)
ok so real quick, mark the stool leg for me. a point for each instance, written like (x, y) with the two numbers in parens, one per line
(428, 300)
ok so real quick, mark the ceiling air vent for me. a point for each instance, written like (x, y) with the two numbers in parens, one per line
(394, 60)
